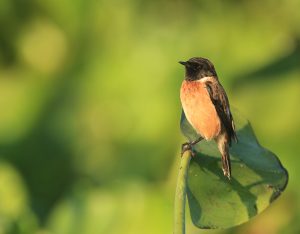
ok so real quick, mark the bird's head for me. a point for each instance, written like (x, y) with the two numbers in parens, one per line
(197, 68)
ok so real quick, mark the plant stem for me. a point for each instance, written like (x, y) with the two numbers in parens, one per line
(180, 195)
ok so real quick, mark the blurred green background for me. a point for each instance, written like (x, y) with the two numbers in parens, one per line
(89, 107)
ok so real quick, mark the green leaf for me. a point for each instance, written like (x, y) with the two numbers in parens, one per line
(258, 178)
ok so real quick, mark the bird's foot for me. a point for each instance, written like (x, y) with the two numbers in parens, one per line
(187, 146)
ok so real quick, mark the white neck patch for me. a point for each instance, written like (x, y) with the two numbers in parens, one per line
(207, 78)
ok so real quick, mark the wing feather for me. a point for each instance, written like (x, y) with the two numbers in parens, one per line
(219, 98)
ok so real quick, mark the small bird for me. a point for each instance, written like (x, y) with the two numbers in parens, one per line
(206, 107)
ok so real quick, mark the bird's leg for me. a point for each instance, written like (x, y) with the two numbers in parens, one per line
(189, 146)
(196, 141)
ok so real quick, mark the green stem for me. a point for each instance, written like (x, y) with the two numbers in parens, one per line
(180, 196)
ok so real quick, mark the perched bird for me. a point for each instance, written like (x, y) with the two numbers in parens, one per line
(206, 107)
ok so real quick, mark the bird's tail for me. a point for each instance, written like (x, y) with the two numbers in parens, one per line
(223, 146)
(226, 165)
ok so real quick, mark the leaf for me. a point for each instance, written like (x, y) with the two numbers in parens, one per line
(258, 178)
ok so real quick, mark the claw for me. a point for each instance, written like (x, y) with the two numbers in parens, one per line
(187, 146)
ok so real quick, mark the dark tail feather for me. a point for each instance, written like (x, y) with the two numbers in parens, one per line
(233, 133)
(223, 146)
(226, 165)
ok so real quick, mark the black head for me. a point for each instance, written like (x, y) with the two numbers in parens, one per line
(197, 68)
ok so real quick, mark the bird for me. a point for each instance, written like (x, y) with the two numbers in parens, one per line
(206, 107)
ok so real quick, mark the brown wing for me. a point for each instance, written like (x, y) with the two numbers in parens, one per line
(219, 98)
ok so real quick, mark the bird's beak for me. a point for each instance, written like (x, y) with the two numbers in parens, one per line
(183, 63)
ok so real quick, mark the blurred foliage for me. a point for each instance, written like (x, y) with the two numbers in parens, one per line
(89, 134)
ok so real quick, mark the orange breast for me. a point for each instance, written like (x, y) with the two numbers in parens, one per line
(199, 110)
